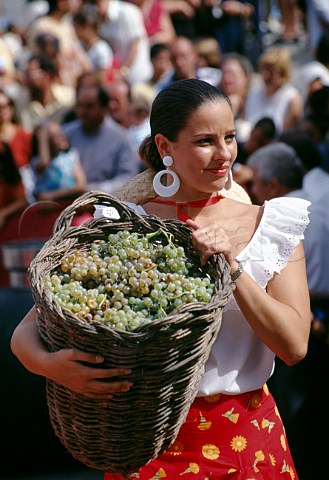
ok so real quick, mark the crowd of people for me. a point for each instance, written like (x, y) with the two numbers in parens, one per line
(78, 79)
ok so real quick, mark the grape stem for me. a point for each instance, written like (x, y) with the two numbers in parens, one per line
(169, 236)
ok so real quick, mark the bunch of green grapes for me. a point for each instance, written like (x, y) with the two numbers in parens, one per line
(128, 280)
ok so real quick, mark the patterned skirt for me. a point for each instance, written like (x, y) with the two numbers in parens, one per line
(233, 437)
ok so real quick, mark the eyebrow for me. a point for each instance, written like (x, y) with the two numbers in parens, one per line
(207, 134)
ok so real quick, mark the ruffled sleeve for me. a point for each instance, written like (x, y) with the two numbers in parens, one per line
(280, 230)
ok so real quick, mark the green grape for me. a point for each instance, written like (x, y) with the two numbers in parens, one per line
(128, 280)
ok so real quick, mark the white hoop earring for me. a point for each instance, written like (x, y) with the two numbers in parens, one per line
(229, 181)
(159, 188)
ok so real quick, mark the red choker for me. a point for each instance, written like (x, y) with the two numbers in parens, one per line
(197, 204)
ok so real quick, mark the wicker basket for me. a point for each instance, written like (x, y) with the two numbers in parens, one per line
(167, 356)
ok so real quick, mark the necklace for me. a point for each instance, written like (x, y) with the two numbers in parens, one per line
(197, 204)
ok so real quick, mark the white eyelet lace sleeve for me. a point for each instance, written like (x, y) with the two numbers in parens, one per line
(280, 230)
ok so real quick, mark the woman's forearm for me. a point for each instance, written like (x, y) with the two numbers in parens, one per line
(281, 316)
(26, 339)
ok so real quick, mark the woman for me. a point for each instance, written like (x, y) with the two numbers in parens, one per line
(12, 203)
(59, 175)
(18, 139)
(12, 195)
(236, 81)
(193, 133)
(275, 96)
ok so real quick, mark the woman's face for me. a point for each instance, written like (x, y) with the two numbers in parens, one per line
(57, 139)
(272, 76)
(234, 78)
(205, 150)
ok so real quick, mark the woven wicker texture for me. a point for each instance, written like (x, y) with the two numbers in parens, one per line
(140, 190)
(167, 356)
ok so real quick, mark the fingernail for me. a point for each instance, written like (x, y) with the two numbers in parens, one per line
(99, 359)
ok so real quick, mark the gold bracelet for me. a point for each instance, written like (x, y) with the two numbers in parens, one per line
(236, 274)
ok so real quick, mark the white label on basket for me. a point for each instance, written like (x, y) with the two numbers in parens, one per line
(108, 212)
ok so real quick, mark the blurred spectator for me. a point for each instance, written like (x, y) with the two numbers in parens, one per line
(308, 78)
(290, 22)
(304, 145)
(47, 45)
(235, 81)
(162, 66)
(42, 98)
(7, 61)
(18, 139)
(98, 50)
(121, 24)
(106, 152)
(119, 98)
(130, 108)
(184, 15)
(275, 96)
(8, 74)
(208, 58)
(317, 122)
(322, 49)
(12, 195)
(12, 203)
(227, 23)
(73, 59)
(184, 59)
(277, 171)
(58, 173)
(157, 21)
(262, 133)
(138, 123)
(162, 70)
(208, 50)
(86, 79)
(317, 21)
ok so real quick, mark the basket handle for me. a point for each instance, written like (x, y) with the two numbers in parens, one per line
(94, 197)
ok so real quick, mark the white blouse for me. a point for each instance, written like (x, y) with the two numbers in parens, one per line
(239, 361)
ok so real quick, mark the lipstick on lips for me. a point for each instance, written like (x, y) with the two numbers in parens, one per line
(220, 171)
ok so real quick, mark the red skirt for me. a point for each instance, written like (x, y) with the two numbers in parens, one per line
(233, 437)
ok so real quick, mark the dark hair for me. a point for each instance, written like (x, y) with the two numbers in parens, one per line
(158, 48)
(101, 93)
(44, 39)
(278, 160)
(52, 6)
(322, 49)
(8, 168)
(319, 109)
(303, 144)
(171, 111)
(45, 63)
(268, 127)
(86, 16)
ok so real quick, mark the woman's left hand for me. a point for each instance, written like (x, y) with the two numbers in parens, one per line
(209, 240)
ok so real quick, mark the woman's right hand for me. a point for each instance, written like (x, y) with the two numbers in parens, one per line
(77, 371)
